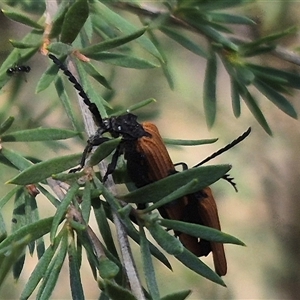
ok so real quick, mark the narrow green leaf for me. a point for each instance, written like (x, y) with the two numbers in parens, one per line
(177, 295)
(19, 220)
(198, 18)
(189, 142)
(86, 202)
(40, 269)
(31, 215)
(137, 105)
(178, 193)
(113, 43)
(109, 197)
(46, 276)
(123, 60)
(34, 231)
(203, 232)
(8, 196)
(148, 268)
(65, 100)
(116, 292)
(74, 20)
(134, 234)
(46, 79)
(59, 19)
(217, 37)
(97, 98)
(195, 264)
(235, 97)
(6, 125)
(92, 259)
(102, 28)
(21, 18)
(115, 20)
(107, 268)
(235, 86)
(104, 229)
(77, 225)
(213, 5)
(3, 232)
(280, 101)
(267, 74)
(53, 271)
(22, 45)
(60, 49)
(43, 170)
(155, 191)
(244, 74)
(40, 247)
(254, 108)
(250, 52)
(20, 162)
(209, 90)
(89, 29)
(61, 210)
(79, 252)
(74, 274)
(271, 38)
(103, 296)
(168, 242)
(92, 71)
(164, 61)
(49, 196)
(180, 38)
(39, 134)
(10, 255)
(230, 19)
(70, 176)
(19, 215)
(276, 75)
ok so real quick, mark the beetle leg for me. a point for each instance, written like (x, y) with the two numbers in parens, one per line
(94, 140)
(182, 164)
(112, 165)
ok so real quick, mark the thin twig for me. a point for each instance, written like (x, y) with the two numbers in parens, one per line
(97, 245)
(129, 264)
(56, 188)
(73, 213)
(286, 55)
(91, 128)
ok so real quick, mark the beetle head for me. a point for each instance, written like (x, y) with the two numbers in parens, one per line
(127, 126)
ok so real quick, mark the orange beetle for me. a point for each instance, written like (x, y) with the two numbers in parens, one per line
(149, 161)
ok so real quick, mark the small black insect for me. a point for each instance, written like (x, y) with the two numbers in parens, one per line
(18, 69)
(125, 126)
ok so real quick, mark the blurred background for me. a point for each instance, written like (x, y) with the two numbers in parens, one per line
(264, 213)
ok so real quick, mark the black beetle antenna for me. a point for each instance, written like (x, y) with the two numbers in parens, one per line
(92, 106)
(227, 147)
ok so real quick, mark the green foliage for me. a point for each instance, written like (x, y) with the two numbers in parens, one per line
(75, 27)
(74, 20)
